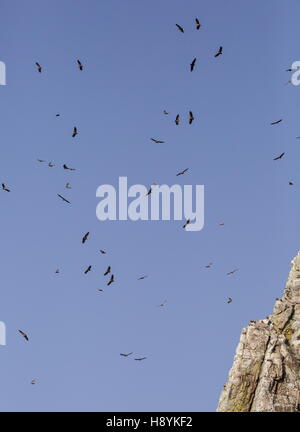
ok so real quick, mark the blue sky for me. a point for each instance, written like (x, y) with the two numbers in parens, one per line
(136, 65)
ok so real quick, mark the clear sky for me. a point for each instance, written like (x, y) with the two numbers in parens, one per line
(136, 64)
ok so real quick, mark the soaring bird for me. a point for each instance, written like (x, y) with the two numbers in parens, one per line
(232, 272)
(221, 223)
(182, 172)
(276, 122)
(111, 280)
(24, 335)
(191, 117)
(102, 251)
(279, 157)
(177, 120)
(64, 199)
(67, 168)
(107, 271)
(39, 67)
(85, 237)
(229, 300)
(291, 183)
(140, 358)
(219, 52)
(68, 186)
(193, 64)
(126, 355)
(142, 277)
(80, 65)
(50, 164)
(198, 24)
(41, 160)
(150, 189)
(57, 115)
(180, 28)
(157, 141)
(166, 112)
(56, 271)
(188, 221)
(75, 132)
(5, 188)
(209, 265)
(88, 269)
(163, 304)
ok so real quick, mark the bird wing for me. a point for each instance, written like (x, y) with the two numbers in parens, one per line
(24, 335)
(64, 199)
(279, 157)
(180, 28)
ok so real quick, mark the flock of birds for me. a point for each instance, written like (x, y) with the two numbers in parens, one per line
(108, 271)
(74, 133)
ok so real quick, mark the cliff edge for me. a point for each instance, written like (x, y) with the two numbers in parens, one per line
(265, 376)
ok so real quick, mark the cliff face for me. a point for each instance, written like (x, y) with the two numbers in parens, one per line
(265, 375)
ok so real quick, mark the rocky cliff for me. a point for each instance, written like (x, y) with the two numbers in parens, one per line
(265, 375)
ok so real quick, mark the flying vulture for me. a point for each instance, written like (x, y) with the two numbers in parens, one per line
(279, 157)
(220, 51)
(5, 188)
(188, 221)
(193, 64)
(85, 237)
(88, 269)
(276, 122)
(180, 28)
(157, 141)
(182, 172)
(39, 67)
(232, 272)
(24, 335)
(64, 199)
(107, 271)
(67, 168)
(111, 280)
(191, 117)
